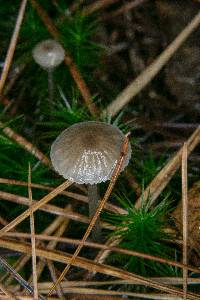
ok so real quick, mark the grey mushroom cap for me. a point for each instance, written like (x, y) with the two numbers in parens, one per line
(48, 54)
(88, 152)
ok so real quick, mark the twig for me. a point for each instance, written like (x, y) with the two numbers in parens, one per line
(25, 144)
(12, 45)
(68, 59)
(32, 226)
(102, 202)
(164, 176)
(35, 207)
(151, 71)
(185, 216)
(91, 266)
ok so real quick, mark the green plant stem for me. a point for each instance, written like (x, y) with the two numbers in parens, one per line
(93, 200)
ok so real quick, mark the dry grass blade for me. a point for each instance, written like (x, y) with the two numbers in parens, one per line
(91, 266)
(7, 293)
(12, 45)
(151, 71)
(35, 207)
(68, 60)
(25, 144)
(164, 176)
(115, 175)
(185, 216)
(32, 226)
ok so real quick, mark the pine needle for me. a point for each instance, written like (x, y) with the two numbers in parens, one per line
(12, 45)
(32, 226)
(185, 217)
(35, 207)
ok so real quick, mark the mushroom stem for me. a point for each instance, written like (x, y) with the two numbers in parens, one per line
(50, 84)
(93, 200)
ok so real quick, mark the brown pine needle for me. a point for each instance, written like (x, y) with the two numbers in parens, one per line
(12, 45)
(25, 144)
(17, 276)
(7, 293)
(44, 286)
(79, 197)
(123, 9)
(57, 239)
(97, 5)
(35, 207)
(53, 243)
(115, 175)
(54, 279)
(55, 225)
(185, 216)
(52, 209)
(151, 71)
(32, 226)
(161, 180)
(92, 266)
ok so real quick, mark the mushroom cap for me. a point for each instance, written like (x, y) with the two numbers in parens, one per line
(48, 54)
(88, 152)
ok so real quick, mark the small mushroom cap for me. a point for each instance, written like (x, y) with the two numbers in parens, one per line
(48, 54)
(88, 152)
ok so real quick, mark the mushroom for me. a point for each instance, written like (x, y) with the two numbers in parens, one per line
(87, 153)
(49, 54)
